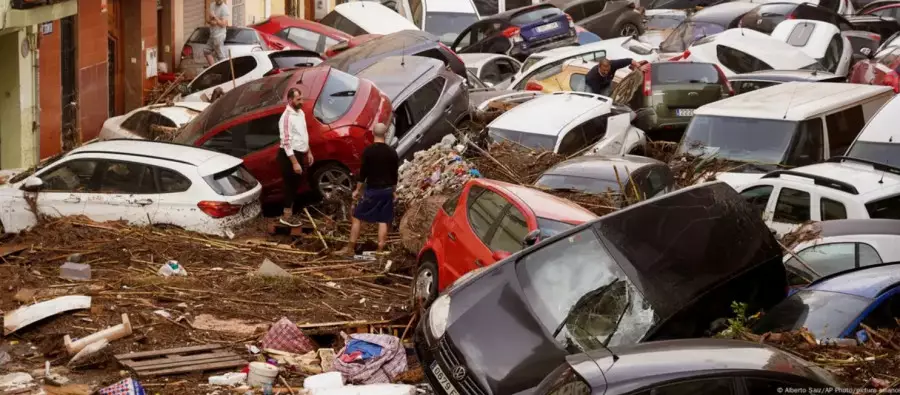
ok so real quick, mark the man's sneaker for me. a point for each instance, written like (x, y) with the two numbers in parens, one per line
(293, 222)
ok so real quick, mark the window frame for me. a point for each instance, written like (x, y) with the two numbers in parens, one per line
(822, 201)
(471, 200)
(417, 115)
(92, 182)
(768, 201)
(508, 211)
(107, 163)
(782, 220)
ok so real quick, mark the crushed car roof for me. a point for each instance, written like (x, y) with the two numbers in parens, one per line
(549, 114)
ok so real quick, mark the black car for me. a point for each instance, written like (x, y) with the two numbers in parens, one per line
(607, 19)
(519, 32)
(765, 17)
(884, 26)
(665, 268)
(695, 366)
(404, 42)
(748, 82)
(703, 23)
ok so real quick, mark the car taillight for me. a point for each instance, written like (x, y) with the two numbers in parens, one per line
(724, 80)
(533, 86)
(512, 33)
(892, 80)
(218, 209)
(451, 51)
(686, 54)
(187, 52)
(683, 56)
(569, 17)
(272, 72)
(648, 87)
(790, 16)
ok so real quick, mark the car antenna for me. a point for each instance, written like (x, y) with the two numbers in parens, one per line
(788, 108)
(403, 55)
(881, 181)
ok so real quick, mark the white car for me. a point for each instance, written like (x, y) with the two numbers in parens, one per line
(239, 41)
(140, 182)
(840, 188)
(820, 40)
(443, 18)
(879, 140)
(138, 124)
(366, 17)
(580, 123)
(615, 48)
(841, 245)
(246, 68)
(495, 70)
(738, 51)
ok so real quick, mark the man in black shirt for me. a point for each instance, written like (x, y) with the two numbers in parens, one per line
(599, 78)
(378, 174)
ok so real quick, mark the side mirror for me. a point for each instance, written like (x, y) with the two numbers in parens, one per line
(500, 255)
(532, 238)
(32, 184)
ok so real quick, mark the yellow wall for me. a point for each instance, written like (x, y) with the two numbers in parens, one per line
(17, 139)
(277, 7)
(254, 11)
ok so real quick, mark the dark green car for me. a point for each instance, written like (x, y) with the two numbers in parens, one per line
(664, 95)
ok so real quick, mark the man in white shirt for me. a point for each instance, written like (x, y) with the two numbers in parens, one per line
(294, 156)
(218, 22)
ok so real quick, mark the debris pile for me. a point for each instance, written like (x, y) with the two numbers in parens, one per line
(440, 169)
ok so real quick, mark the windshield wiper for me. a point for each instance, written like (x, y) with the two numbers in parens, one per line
(343, 94)
(583, 299)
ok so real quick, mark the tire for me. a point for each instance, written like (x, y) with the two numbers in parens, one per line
(331, 177)
(425, 283)
(628, 29)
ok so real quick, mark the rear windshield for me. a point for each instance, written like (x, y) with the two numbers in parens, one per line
(685, 34)
(337, 96)
(447, 25)
(535, 15)
(530, 140)
(885, 208)
(765, 17)
(291, 61)
(826, 314)
(684, 73)
(232, 182)
(576, 183)
(232, 36)
(885, 153)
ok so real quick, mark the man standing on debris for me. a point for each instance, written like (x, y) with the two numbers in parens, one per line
(218, 24)
(376, 182)
(294, 155)
(599, 78)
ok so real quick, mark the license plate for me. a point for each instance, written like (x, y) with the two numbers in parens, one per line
(547, 27)
(684, 112)
(443, 380)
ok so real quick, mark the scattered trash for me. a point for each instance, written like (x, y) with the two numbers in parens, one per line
(70, 389)
(124, 387)
(56, 379)
(307, 363)
(172, 268)
(370, 358)
(206, 322)
(15, 382)
(252, 349)
(270, 269)
(88, 352)
(163, 314)
(25, 295)
(109, 334)
(231, 379)
(27, 315)
(327, 356)
(324, 381)
(437, 170)
(4, 358)
(285, 336)
(181, 360)
(261, 373)
(75, 271)
(371, 389)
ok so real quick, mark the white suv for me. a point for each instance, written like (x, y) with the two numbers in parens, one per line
(140, 182)
(841, 188)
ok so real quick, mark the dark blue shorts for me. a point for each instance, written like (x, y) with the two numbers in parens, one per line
(376, 206)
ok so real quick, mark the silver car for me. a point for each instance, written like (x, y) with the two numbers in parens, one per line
(238, 41)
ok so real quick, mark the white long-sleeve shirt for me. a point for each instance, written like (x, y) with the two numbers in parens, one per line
(292, 128)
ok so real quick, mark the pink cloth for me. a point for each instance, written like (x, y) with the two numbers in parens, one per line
(285, 336)
(380, 369)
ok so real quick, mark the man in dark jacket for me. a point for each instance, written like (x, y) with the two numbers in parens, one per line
(599, 78)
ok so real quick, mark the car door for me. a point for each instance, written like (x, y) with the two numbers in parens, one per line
(126, 191)
(793, 207)
(707, 386)
(472, 229)
(426, 121)
(66, 188)
(174, 201)
(773, 385)
(596, 21)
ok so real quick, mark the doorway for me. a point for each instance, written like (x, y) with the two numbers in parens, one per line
(69, 91)
(114, 58)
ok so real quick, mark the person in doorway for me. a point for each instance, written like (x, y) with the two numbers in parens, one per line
(294, 156)
(376, 182)
(599, 78)
(218, 24)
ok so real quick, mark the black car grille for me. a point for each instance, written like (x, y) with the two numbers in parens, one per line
(445, 354)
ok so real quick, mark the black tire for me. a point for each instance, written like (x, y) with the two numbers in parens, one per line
(424, 289)
(329, 177)
(628, 29)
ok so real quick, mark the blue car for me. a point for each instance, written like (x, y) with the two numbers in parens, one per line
(519, 32)
(833, 307)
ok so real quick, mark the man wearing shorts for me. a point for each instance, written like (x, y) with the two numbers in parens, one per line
(218, 22)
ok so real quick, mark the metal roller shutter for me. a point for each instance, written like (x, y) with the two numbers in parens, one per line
(194, 13)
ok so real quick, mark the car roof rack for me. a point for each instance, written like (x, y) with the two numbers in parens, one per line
(876, 165)
(819, 180)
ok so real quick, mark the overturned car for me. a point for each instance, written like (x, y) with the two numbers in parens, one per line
(665, 268)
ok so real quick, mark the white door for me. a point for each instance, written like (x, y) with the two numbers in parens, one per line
(126, 191)
(792, 207)
(177, 205)
(66, 188)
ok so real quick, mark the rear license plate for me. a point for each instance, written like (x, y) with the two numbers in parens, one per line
(443, 380)
(546, 28)
(684, 112)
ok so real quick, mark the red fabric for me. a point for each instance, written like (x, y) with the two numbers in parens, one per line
(285, 336)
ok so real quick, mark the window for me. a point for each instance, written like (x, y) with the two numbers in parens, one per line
(490, 73)
(487, 7)
(833, 53)
(304, 38)
(566, 382)
(464, 39)
(532, 15)
(337, 96)
(682, 73)
(506, 68)
(758, 385)
(127, 178)
(594, 7)
(843, 127)
(792, 206)
(484, 210)
(246, 137)
(331, 19)
(866, 255)
(513, 4)
(221, 73)
(832, 209)
(828, 259)
(882, 317)
(347, 26)
(171, 181)
(576, 12)
(888, 208)
(758, 197)
(572, 142)
(510, 232)
(137, 123)
(659, 181)
(450, 204)
(288, 60)
(72, 176)
(801, 33)
(423, 100)
(715, 386)
(739, 61)
(807, 144)
(232, 182)
(576, 82)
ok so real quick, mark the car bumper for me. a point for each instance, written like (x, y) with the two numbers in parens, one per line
(522, 51)
(228, 225)
(436, 355)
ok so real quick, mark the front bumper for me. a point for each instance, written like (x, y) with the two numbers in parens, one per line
(433, 352)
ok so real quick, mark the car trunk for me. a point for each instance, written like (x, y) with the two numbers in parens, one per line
(684, 86)
(545, 28)
(689, 96)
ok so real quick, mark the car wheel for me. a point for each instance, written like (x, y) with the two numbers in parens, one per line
(332, 178)
(425, 284)
(628, 30)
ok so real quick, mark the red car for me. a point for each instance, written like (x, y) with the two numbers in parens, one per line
(353, 42)
(486, 222)
(276, 43)
(882, 69)
(340, 112)
(308, 35)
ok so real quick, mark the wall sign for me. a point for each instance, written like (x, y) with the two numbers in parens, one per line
(47, 28)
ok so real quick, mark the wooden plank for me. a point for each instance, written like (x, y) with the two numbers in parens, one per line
(144, 354)
(196, 368)
(188, 363)
(7, 250)
(177, 358)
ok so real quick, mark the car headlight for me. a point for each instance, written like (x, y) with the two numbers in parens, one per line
(438, 315)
